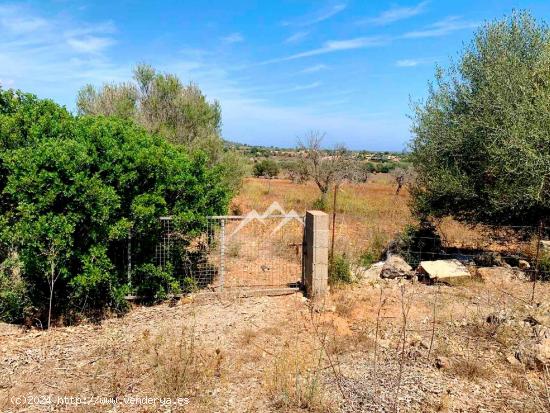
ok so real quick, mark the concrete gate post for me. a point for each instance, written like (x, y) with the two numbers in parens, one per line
(315, 270)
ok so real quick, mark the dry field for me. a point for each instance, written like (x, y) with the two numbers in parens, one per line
(384, 346)
(376, 346)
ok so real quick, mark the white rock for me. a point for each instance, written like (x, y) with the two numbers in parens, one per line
(396, 267)
(447, 271)
(545, 245)
(369, 274)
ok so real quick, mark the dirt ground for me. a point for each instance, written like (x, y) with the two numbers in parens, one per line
(378, 346)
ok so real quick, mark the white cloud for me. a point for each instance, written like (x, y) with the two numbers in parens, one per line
(6, 83)
(395, 14)
(90, 44)
(408, 62)
(314, 68)
(441, 28)
(296, 37)
(414, 62)
(54, 56)
(334, 46)
(299, 88)
(318, 16)
(233, 38)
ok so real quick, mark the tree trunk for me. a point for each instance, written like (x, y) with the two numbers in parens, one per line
(52, 281)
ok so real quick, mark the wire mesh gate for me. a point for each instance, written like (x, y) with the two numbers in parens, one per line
(250, 252)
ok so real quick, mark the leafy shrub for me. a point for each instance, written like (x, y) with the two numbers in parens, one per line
(367, 258)
(320, 204)
(13, 293)
(154, 283)
(417, 243)
(74, 188)
(544, 266)
(267, 168)
(339, 270)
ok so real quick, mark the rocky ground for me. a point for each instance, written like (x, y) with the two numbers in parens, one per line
(380, 345)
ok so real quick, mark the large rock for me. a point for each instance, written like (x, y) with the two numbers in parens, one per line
(446, 271)
(369, 274)
(396, 267)
(542, 357)
(545, 246)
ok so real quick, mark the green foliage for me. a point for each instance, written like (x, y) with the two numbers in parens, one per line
(339, 271)
(267, 168)
(418, 243)
(320, 204)
(72, 194)
(14, 301)
(154, 283)
(544, 266)
(295, 170)
(481, 149)
(163, 105)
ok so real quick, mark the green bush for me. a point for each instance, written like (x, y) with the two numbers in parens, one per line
(544, 267)
(153, 283)
(320, 204)
(267, 168)
(418, 243)
(74, 188)
(14, 301)
(339, 271)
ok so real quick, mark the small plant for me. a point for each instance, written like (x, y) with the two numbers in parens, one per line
(179, 366)
(319, 204)
(189, 285)
(234, 249)
(339, 271)
(13, 297)
(544, 267)
(471, 369)
(294, 381)
(155, 283)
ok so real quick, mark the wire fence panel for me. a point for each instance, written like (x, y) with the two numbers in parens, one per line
(244, 252)
(363, 242)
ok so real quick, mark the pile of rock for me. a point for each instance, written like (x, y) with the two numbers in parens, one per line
(446, 271)
(449, 271)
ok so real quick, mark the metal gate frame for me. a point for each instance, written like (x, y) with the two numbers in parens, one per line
(214, 267)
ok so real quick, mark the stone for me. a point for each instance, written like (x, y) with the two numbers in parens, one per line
(497, 318)
(446, 271)
(545, 246)
(396, 267)
(442, 363)
(523, 265)
(512, 360)
(542, 355)
(369, 274)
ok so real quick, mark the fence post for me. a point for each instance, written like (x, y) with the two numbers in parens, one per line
(316, 253)
(130, 258)
(222, 253)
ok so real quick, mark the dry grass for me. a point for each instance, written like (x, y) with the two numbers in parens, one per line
(368, 215)
(295, 381)
(355, 351)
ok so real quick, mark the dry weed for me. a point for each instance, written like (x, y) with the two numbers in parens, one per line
(295, 381)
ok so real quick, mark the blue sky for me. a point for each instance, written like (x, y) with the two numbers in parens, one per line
(278, 68)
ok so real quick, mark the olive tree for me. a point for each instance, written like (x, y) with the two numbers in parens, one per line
(327, 168)
(481, 147)
(164, 105)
